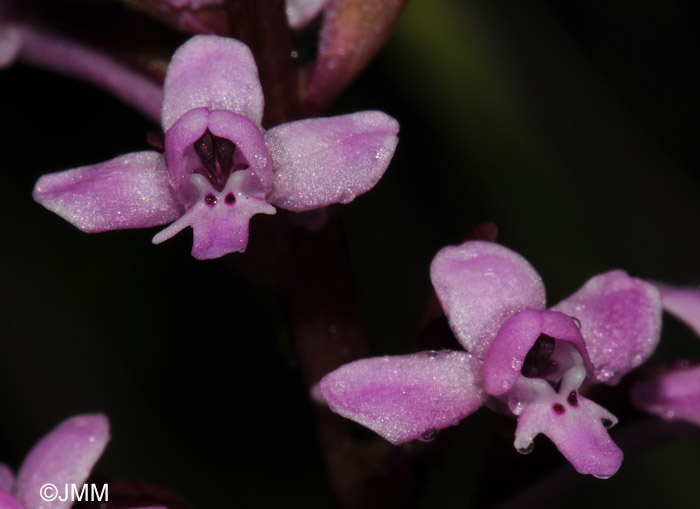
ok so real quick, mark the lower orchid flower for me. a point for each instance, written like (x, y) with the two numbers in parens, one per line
(519, 356)
(64, 457)
(220, 166)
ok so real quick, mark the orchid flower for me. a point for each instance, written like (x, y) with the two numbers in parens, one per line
(519, 355)
(64, 457)
(220, 166)
(674, 394)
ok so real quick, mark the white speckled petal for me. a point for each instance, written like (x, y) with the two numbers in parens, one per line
(683, 303)
(129, 191)
(620, 321)
(217, 73)
(301, 12)
(63, 457)
(480, 285)
(406, 397)
(321, 161)
(577, 429)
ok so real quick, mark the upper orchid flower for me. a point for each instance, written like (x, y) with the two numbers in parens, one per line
(62, 458)
(533, 360)
(220, 166)
(674, 394)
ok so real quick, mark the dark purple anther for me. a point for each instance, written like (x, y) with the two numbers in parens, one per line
(572, 398)
(217, 156)
(230, 199)
(210, 200)
(536, 362)
(224, 153)
(204, 147)
(558, 408)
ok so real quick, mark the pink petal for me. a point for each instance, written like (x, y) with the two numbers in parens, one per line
(65, 456)
(683, 303)
(504, 360)
(7, 501)
(406, 397)
(577, 430)
(301, 12)
(7, 478)
(480, 285)
(674, 395)
(10, 44)
(130, 191)
(321, 161)
(620, 321)
(217, 73)
(220, 227)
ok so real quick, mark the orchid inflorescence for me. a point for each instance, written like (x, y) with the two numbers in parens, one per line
(220, 164)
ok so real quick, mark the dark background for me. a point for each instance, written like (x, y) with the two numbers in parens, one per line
(572, 125)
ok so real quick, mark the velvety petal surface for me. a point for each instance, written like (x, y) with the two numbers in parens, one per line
(480, 285)
(578, 433)
(130, 191)
(321, 161)
(65, 456)
(504, 360)
(620, 320)
(217, 73)
(406, 397)
(220, 227)
(683, 303)
(576, 425)
(674, 395)
(301, 12)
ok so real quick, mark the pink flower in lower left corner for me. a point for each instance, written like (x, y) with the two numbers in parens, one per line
(64, 457)
(220, 166)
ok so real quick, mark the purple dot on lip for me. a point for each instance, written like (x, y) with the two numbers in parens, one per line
(558, 408)
(230, 199)
(572, 398)
(210, 200)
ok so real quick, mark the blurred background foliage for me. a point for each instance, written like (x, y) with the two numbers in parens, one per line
(572, 125)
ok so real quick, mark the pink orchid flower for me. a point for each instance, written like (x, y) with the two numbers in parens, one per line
(64, 457)
(519, 355)
(220, 166)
